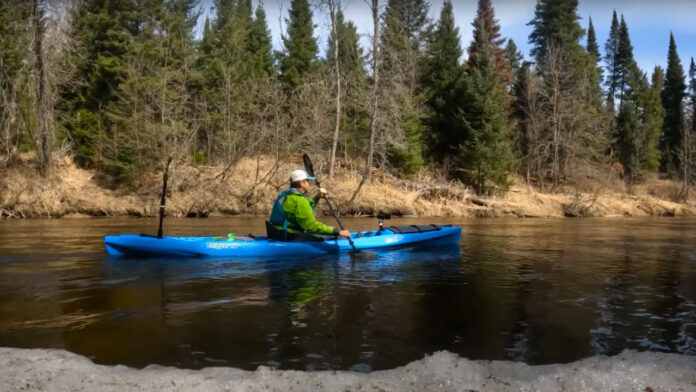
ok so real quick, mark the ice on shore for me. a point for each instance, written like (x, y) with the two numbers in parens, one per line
(58, 370)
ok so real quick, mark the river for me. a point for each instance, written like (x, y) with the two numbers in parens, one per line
(533, 290)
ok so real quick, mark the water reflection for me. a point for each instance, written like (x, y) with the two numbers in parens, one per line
(538, 291)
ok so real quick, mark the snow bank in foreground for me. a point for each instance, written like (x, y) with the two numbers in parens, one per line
(58, 370)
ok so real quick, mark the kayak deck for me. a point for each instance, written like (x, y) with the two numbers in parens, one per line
(391, 237)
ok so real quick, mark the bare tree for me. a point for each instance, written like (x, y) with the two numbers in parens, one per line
(333, 7)
(374, 7)
(43, 140)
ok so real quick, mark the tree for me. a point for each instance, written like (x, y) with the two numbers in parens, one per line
(440, 74)
(485, 157)
(259, 45)
(299, 58)
(354, 116)
(485, 21)
(594, 70)
(14, 41)
(672, 95)
(514, 58)
(556, 23)
(592, 47)
(610, 52)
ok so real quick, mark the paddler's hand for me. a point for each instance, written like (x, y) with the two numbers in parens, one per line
(344, 233)
(322, 193)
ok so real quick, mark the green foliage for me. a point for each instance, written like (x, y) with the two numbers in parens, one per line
(610, 51)
(408, 159)
(556, 23)
(299, 60)
(485, 22)
(259, 45)
(672, 95)
(441, 72)
(485, 157)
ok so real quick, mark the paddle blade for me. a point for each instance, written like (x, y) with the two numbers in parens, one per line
(308, 164)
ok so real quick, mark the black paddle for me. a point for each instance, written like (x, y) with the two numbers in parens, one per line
(310, 170)
(164, 197)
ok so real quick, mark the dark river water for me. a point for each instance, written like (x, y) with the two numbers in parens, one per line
(535, 290)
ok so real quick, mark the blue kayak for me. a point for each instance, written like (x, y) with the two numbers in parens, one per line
(425, 236)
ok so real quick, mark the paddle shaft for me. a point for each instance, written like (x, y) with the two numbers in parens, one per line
(335, 214)
(164, 198)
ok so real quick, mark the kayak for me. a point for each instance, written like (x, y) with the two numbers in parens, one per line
(393, 237)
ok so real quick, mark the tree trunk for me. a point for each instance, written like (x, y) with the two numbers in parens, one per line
(332, 10)
(374, 5)
(43, 145)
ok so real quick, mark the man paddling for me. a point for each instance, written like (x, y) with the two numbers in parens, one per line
(292, 217)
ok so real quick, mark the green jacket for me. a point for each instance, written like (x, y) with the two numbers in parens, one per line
(293, 211)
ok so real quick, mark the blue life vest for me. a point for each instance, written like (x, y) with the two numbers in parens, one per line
(278, 215)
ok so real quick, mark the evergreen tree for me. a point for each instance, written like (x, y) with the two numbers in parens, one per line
(485, 20)
(556, 23)
(102, 32)
(441, 73)
(611, 49)
(259, 44)
(624, 61)
(355, 117)
(14, 41)
(653, 119)
(299, 59)
(672, 96)
(485, 157)
(402, 42)
(594, 69)
(592, 47)
(514, 58)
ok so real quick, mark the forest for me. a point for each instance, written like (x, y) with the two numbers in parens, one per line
(121, 86)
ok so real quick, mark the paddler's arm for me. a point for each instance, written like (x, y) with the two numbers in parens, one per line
(304, 216)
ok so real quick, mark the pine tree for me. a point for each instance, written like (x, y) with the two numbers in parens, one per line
(653, 118)
(485, 157)
(672, 96)
(402, 42)
(592, 47)
(102, 32)
(299, 60)
(611, 49)
(514, 58)
(556, 23)
(441, 73)
(485, 20)
(594, 69)
(259, 45)
(624, 61)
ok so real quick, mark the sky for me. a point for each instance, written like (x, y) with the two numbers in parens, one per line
(649, 23)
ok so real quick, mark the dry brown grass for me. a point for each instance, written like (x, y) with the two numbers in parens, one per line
(254, 183)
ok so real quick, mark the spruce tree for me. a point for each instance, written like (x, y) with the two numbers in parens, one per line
(594, 69)
(485, 157)
(624, 61)
(672, 96)
(653, 118)
(514, 58)
(485, 20)
(402, 43)
(102, 32)
(299, 60)
(259, 45)
(592, 47)
(441, 73)
(611, 49)
(556, 23)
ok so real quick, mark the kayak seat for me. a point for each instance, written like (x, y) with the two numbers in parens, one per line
(413, 229)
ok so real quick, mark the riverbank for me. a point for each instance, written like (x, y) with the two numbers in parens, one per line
(58, 370)
(251, 186)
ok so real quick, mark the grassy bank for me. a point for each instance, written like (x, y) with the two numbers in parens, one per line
(251, 186)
